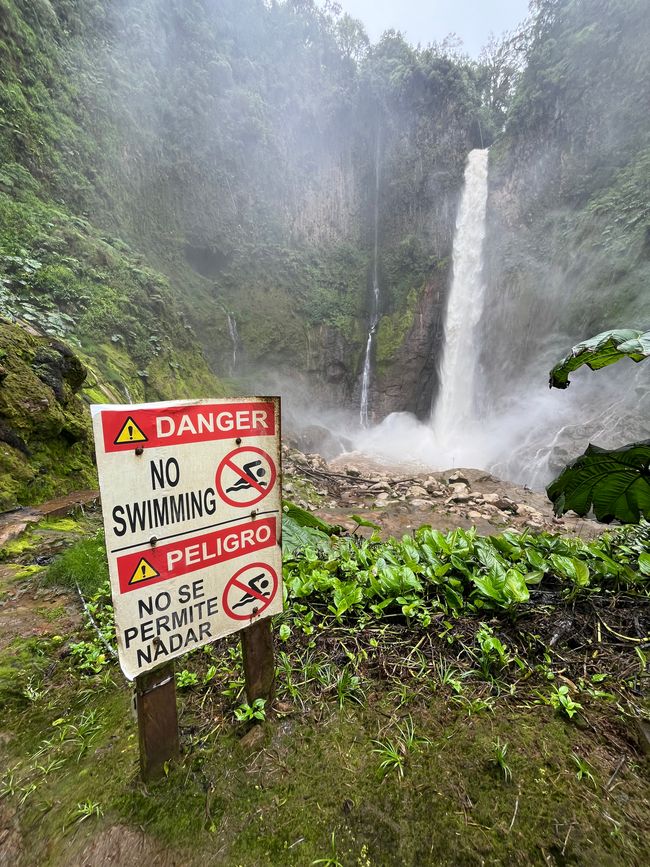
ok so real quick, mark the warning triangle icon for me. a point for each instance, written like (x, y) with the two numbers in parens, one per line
(129, 433)
(144, 571)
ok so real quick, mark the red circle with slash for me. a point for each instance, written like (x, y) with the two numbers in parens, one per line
(247, 463)
(247, 588)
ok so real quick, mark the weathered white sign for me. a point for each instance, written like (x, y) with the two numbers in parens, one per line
(192, 512)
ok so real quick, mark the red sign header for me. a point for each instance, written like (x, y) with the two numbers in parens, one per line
(185, 424)
(144, 569)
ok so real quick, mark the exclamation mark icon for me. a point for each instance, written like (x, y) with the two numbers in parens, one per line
(130, 432)
(144, 571)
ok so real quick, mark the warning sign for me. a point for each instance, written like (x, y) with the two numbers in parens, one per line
(250, 591)
(190, 560)
(130, 433)
(144, 571)
(245, 476)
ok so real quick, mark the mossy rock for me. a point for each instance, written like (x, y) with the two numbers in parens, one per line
(45, 433)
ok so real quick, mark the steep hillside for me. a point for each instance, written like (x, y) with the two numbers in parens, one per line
(236, 145)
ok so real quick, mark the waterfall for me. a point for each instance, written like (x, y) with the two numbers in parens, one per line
(455, 412)
(374, 309)
(234, 339)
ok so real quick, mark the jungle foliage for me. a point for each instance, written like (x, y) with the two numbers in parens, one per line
(601, 351)
(615, 483)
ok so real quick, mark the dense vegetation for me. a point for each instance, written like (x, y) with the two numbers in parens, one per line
(439, 693)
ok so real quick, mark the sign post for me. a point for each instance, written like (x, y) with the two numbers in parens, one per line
(192, 514)
(155, 694)
(259, 661)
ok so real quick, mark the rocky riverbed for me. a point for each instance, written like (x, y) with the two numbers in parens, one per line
(400, 499)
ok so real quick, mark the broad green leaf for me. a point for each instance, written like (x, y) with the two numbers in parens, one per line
(615, 483)
(600, 351)
(536, 560)
(307, 519)
(644, 563)
(572, 568)
(364, 522)
(515, 588)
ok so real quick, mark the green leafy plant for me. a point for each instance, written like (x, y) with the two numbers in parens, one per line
(247, 712)
(584, 770)
(561, 701)
(393, 752)
(600, 351)
(332, 859)
(494, 655)
(614, 482)
(185, 679)
(348, 687)
(85, 810)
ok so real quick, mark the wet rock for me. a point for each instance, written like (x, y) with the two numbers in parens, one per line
(416, 491)
(315, 438)
(353, 472)
(504, 504)
(491, 498)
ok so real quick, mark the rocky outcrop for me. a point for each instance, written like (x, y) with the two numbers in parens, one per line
(411, 381)
(45, 436)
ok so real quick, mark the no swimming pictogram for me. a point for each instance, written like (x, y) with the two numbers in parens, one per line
(245, 476)
(250, 591)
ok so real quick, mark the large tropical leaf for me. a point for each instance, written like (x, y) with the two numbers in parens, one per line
(615, 483)
(307, 519)
(601, 350)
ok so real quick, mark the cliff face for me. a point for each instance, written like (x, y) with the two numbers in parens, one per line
(234, 145)
(569, 189)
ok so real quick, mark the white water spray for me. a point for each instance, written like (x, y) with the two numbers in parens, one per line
(374, 311)
(455, 412)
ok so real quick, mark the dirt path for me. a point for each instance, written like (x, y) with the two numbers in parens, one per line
(13, 523)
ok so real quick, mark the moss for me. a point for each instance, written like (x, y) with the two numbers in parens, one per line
(60, 525)
(393, 329)
(18, 548)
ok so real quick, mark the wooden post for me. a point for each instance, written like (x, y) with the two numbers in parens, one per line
(157, 720)
(259, 661)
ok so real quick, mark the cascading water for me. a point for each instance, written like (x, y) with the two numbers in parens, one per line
(234, 339)
(455, 411)
(374, 310)
(494, 409)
